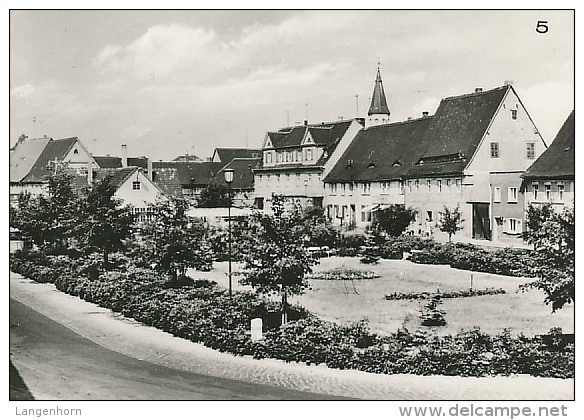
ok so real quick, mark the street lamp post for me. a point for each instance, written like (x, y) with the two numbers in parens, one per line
(229, 180)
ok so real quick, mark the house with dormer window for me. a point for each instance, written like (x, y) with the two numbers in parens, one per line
(296, 159)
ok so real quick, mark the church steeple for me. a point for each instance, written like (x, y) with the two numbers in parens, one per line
(378, 111)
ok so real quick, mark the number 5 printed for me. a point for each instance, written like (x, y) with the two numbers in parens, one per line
(542, 27)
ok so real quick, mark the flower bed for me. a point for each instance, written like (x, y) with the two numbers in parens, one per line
(444, 295)
(202, 312)
(344, 274)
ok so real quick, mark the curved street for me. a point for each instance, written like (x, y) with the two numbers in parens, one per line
(113, 357)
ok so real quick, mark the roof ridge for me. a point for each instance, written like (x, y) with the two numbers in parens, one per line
(467, 95)
(399, 122)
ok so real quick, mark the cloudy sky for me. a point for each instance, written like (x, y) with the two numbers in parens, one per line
(170, 82)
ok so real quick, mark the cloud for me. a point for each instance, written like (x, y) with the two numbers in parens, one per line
(23, 91)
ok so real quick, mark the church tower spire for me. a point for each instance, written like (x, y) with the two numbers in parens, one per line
(378, 111)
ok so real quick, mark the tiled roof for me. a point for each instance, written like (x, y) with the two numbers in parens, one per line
(558, 160)
(430, 146)
(119, 175)
(382, 152)
(227, 154)
(242, 175)
(171, 176)
(116, 161)
(108, 161)
(457, 128)
(54, 150)
(187, 158)
(24, 156)
(326, 134)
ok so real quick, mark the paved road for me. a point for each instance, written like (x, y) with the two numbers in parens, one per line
(64, 365)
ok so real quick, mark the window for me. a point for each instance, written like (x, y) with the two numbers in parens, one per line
(448, 184)
(299, 156)
(336, 210)
(365, 215)
(343, 188)
(514, 114)
(366, 188)
(513, 225)
(329, 211)
(409, 186)
(298, 179)
(494, 149)
(287, 180)
(439, 185)
(429, 184)
(333, 189)
(548, 191)
(561, 189)
(384, 188)
(268, 157)
(535, 186)
(136, 185)
(512, 195)
(429, 216)
(308, 154)
(75, 152)
(497, 195)
(530, 150)
(417, 185)
(350, 188)
(458, 182)
(279, 159)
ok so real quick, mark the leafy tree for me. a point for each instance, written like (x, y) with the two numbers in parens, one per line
(214, 195)
(103, 223)
(48, 219)
(173, 241)
(394, 219)
(276, 259)
(552, 235)
(450, 221)
(319, 230)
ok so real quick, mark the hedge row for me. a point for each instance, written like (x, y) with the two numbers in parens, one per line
(445, 295)
(202, 312)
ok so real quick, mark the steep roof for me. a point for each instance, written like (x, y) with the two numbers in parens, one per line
(558, 160)
(118, 175)
(54, 150)
(382, 152)
(171, 176)
(242, 175)
(325, 134)
(24, 156)
(378, 101)
(227, 154)
(187, 158)
(456, 131)
(429, 146)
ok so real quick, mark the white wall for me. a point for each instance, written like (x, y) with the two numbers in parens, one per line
(147, 194)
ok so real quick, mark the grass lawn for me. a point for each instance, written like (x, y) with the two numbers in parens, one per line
(346, 301)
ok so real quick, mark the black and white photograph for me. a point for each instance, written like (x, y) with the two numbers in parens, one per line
(292, 205)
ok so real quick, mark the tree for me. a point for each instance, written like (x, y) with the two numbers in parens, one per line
(552, 235)
(319, 230)
(214, 195)
(276, 259)
(450, 221)
(394, 219)
(48, 219)
(103, 223)
(173, 241)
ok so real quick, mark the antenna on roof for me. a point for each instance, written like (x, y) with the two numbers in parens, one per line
(357, 103)
(93, 140)
(246, 140)
(306, 111)
(34, 127)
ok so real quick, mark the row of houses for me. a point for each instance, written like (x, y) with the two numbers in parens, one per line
(480, 152)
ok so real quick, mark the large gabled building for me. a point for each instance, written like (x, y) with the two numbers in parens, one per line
(474, 145)
(296, 159)
(550, 179)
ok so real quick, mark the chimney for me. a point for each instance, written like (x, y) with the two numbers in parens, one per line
(305, 122)
(425, 114)
(124, 155)
(508, 82)
(409, 118)
(478, 90)
(150, 173)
